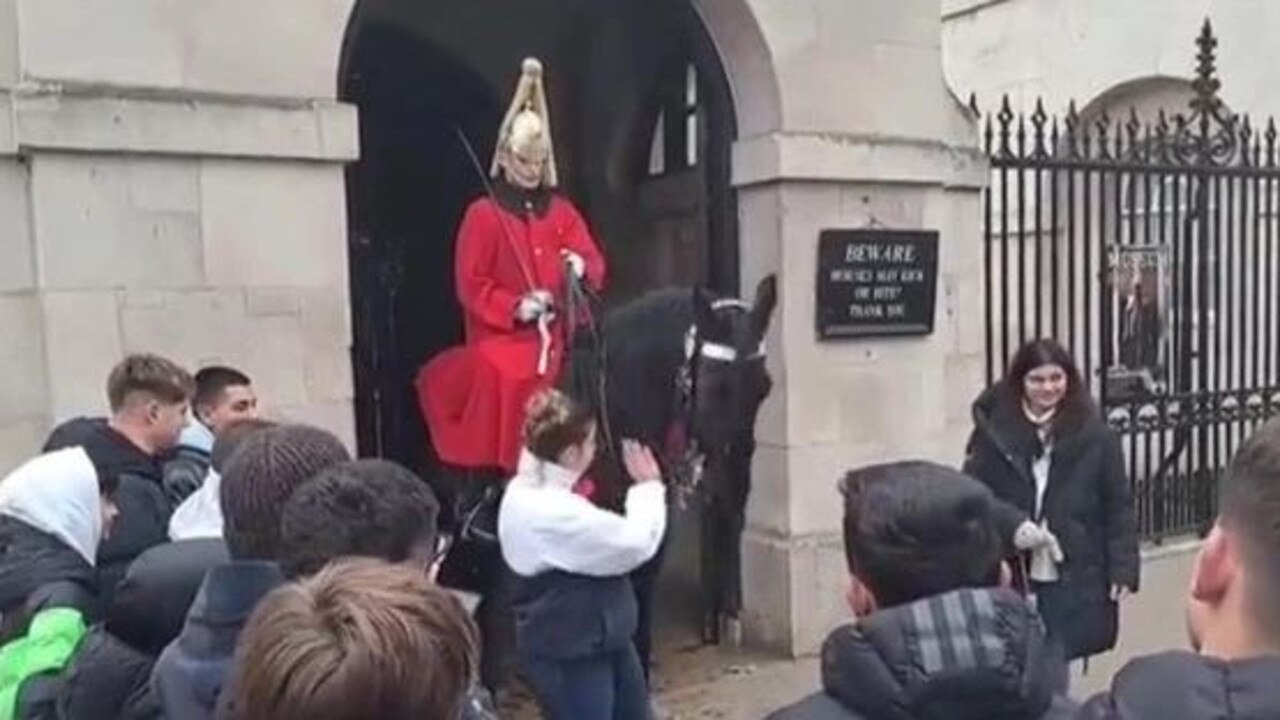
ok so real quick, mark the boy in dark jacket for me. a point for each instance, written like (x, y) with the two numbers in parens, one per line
(149, 398)
(1233, 611)
(371, 509)
(258, 479)
(937, 635)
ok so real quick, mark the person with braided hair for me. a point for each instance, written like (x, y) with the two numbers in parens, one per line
(575, 608)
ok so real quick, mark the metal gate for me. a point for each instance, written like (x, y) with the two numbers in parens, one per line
(1149, 249)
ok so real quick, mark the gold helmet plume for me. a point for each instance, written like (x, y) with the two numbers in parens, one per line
(526, 129)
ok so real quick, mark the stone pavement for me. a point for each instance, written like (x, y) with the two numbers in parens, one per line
(705, 683)
(695, 682)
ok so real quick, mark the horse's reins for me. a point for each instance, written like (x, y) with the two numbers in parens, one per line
(544, 320)
(580, 297)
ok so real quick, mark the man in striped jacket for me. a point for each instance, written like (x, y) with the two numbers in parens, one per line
(937, 635)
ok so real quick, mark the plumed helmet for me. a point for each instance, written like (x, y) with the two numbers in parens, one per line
(526, 128)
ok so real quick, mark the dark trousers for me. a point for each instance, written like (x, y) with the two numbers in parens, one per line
(1050, 600)
(609, 686)
(644, 580)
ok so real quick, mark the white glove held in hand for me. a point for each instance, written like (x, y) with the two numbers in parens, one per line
(533, 306)
(1046, 552)
(1030, 536)
(576, 264)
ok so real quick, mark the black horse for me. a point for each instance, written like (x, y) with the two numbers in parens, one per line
(678, 369)
(684, 372)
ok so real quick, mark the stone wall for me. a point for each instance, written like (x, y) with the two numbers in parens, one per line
(171, 181)
(174, 175)
(1081, 49)
(862, 132)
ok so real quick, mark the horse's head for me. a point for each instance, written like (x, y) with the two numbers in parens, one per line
(729, 367)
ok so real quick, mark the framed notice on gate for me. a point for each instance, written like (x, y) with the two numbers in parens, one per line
(1140, 287)
(876, 282)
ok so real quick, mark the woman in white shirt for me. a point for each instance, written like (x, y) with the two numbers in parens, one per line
(574, 604)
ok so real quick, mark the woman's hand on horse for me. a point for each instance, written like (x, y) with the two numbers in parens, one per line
(641, 465)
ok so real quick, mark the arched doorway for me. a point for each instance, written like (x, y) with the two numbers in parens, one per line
(643, 119)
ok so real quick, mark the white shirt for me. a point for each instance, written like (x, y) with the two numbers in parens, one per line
(1040, 469)
(543, 525)
(1043, 568)
(200, 515)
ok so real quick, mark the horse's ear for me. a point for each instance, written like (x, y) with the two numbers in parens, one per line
(704, 317)
(766, 301)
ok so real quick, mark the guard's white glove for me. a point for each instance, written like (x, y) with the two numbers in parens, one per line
(1031, 536)
(533, 306)
(576, 264)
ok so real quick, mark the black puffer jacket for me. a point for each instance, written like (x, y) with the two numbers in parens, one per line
(151, 603)
(39, 571)
(1184, 686)
(107, 680)
(144, 509)
(965, 655)
(1088, 505)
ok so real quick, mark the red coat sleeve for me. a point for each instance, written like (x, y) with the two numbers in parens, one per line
(475, 269)
(579, 240)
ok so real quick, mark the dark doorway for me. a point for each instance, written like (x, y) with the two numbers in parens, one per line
(626, 80)
(643, 123)
(404, 198)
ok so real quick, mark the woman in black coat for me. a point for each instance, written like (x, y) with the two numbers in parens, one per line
(1041, 445)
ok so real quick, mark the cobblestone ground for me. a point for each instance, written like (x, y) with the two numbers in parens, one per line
(711, 683)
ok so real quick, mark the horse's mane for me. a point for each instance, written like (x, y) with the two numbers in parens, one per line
(646, 348)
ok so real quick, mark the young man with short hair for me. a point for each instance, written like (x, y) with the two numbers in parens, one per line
(1233, 611)
(224, 396)
(368, 509)
(936, 635)
(149, 397)
(364, 508)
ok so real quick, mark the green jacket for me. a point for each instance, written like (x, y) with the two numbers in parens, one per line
(51, 640)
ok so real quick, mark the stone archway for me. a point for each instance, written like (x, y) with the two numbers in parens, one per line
(450, 72)
(617, 73)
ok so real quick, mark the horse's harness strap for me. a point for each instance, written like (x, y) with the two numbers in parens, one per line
(686, 390)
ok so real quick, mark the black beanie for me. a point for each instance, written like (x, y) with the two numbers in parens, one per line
(260, 476)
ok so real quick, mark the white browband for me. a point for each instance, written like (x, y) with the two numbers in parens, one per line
(723, 303)
(718, 351)
(714, 351)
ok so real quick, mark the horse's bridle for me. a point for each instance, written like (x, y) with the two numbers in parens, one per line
(687, 470)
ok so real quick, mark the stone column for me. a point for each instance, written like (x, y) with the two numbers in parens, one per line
(171, 181)
(866, 134)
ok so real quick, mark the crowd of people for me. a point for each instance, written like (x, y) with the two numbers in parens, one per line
(184, 558)
(292, 581)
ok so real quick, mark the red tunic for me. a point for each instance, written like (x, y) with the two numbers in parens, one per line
(473, 397)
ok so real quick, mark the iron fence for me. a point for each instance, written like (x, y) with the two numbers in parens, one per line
(1148, 247)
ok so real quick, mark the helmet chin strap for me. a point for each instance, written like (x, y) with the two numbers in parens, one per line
(512, 173)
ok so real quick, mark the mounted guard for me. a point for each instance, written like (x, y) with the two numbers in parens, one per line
(514, 248)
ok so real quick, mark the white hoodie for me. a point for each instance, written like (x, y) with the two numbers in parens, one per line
(57, 493)
(543, 525)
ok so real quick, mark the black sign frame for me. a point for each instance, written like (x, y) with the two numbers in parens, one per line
(876, 283)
